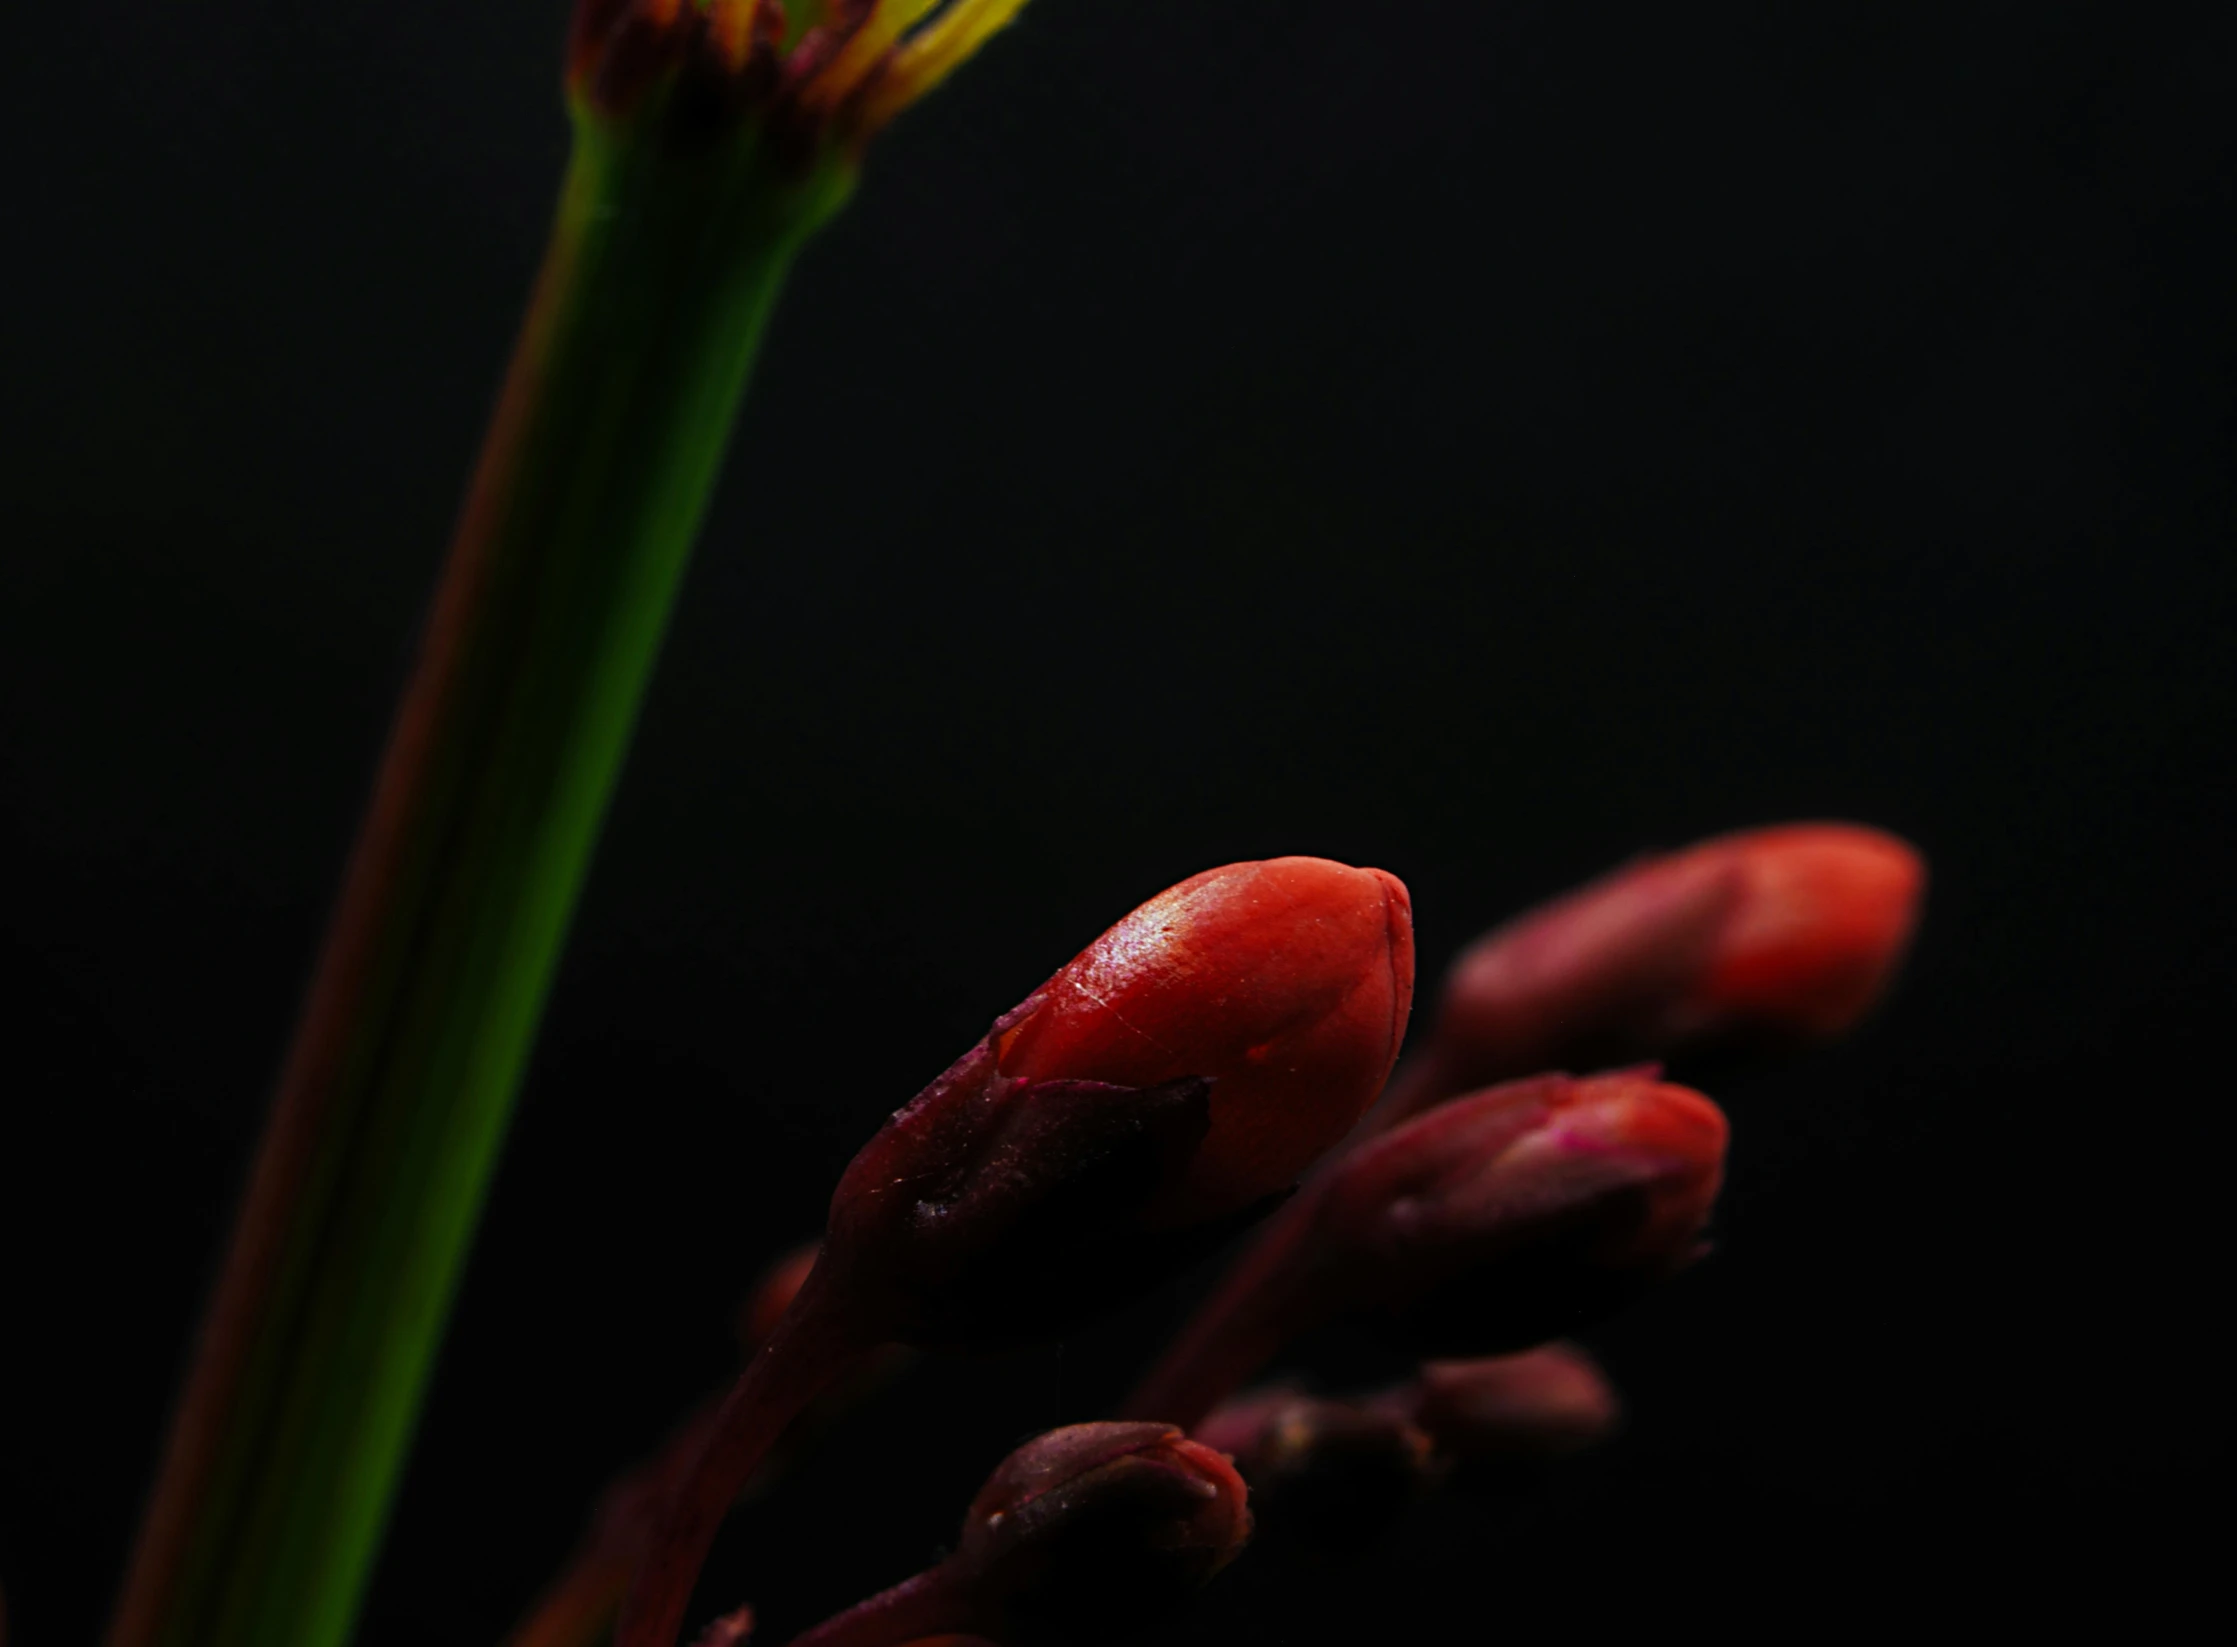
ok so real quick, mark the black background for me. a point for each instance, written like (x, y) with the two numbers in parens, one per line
(1476, 440)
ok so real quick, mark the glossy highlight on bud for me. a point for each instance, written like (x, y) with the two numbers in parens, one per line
(1163, 1085)
(1287, 983)
(1159, 1092)
(1490, 1224)
(1083, 1534)
(1756, 939)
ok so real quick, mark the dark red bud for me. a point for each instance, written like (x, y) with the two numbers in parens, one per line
(1498, 1220)
(1490, 1224)
(1754, 939)
(1096, 1529)
(1335, 1472)
(1524, 1409)
(1133, 1111)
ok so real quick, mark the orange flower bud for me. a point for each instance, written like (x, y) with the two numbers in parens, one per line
(1759, 938)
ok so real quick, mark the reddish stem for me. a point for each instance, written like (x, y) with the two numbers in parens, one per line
(1254, 1311)
(935, 1602)
(813, 1346)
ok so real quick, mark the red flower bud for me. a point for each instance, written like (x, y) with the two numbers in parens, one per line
(1180, 1070)
(1286, 982)
(1128, 1116)
(1758, 938)
(1516, 1409)
(1489, 1224)
(1081, 1534)
(1497, 1220)
(1100, 1519)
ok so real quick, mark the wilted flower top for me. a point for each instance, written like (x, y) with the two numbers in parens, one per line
(818, 72)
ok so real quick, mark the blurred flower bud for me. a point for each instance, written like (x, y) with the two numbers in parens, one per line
(1097, 1528)
(1334, 1472)
(1750, 940)
(1522, 1409)
(1082, 1534)
(1504, 1217)
(1490, 1224)
(1132, 1112)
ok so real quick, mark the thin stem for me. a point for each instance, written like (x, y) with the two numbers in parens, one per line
(933, 1603)
(578, 1609)
(1257, 1307)
(811, 1349)
(288, 1443)
(579, 1606)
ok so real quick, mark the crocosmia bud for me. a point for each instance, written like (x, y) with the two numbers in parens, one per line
(1495, 1222)
(1164, 1085)
(1754, 939)
(1286, 983)
(1515, 1409)
(1490, 1224)
(1081, 1535)
(1097, 1528)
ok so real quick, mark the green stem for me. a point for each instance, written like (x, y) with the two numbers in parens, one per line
(289, 1441)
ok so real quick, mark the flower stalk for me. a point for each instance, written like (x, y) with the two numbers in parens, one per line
(712, 137)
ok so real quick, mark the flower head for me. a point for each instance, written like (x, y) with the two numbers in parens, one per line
(816, 74)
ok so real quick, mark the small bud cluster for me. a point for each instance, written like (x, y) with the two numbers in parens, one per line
(1168, 1086)
(1338, 1470)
